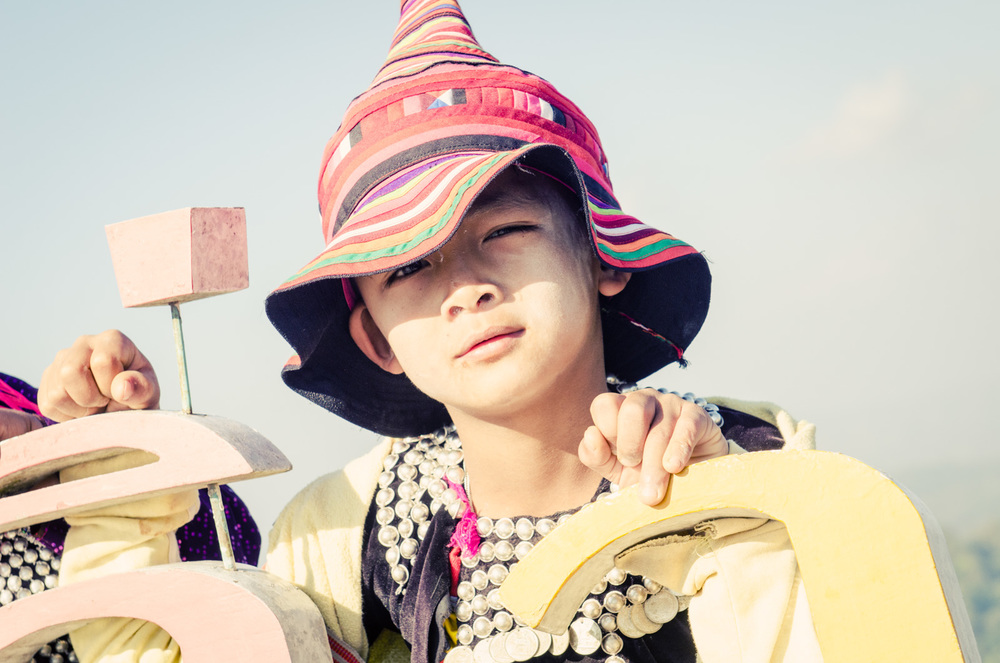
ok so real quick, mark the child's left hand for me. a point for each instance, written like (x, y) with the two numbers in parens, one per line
(644, 436)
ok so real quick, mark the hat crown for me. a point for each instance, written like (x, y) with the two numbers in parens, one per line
(430, 32)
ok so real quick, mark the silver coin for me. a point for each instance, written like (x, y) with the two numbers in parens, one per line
(544, 642)
(459, 654)
(486, 552)
(614, 602)
(503, 550)
(479, 579)
(591, 608)
(651, 585)
(384, 515)
(465, 634)
(544, 526)
(498, 650)
(479, 604)
(51, 581)
(455, 474)
(463, 611)
(481, 652)
(400, 574)
(408, 548)
(405, 528)
(384, 496)
(388, 535)
(465, 590)
(521, 644)
(522, 549)
(661, 607)
(6, 596)
(627, 626)
(400, 446)
(636, 594)
(504, 528)
(560, 643)
(641, 621)
(493, 599)
(524, 529)
(503, 621)
(419, 513)
(406, 471)
(31, 555)
(612, 644)
(403, 506)
(4, 570)
(608, 622)
(584, 636)
(482, 627)
(616, 576)
(497, 573)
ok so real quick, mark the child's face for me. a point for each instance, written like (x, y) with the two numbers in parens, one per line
(506, 310)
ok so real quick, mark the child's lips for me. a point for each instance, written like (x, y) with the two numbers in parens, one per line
(491, 340)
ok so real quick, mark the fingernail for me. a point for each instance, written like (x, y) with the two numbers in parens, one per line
(126, 391)
(651, 493)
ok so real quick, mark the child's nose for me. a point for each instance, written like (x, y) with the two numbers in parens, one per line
(470, 297)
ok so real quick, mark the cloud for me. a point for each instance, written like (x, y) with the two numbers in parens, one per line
(867, 116)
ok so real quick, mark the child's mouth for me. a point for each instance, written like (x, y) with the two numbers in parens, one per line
(492, 341)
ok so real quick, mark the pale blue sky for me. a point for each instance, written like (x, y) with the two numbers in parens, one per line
(837, 162)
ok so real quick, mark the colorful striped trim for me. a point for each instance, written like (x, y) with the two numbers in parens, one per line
(429, 33)
(414, 207)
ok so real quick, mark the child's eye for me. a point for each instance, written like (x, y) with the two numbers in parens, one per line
(404, 271)
(511, 230)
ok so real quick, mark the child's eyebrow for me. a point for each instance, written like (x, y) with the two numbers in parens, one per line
(499, 199)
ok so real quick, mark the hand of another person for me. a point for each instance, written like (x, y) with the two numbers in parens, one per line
(15, 422)
(102, 373)
(644, 436)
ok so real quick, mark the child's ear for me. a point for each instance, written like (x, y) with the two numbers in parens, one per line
(370, 340)
(611, 282)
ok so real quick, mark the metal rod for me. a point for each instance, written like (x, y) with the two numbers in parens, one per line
(221, 526)
(182, 367)
(214, 493)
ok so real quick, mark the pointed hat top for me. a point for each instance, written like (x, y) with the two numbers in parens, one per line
(430, 32)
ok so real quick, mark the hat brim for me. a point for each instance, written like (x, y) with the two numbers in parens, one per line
(414, 213)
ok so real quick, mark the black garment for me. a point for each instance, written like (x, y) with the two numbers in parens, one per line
(418, 613)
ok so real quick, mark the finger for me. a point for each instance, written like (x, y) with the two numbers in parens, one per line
(595, 452)
(133, 390)
(604, 413)
(654, 477)
(15, 422)
(73, 390)
(636, 415)
(693, 427)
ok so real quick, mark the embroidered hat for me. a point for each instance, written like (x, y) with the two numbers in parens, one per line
(441, 119)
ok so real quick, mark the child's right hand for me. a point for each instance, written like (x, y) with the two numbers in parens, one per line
(102, 373)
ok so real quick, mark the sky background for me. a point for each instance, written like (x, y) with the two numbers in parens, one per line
(836, 162)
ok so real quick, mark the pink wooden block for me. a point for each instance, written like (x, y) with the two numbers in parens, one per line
(179, 256)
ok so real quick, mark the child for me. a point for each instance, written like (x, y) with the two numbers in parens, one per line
(479, 286)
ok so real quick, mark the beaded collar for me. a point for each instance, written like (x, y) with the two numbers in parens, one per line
(423, 475)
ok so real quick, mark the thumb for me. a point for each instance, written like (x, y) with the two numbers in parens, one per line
(134, 390)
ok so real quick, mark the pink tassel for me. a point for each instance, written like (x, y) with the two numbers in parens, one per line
(466, 535)
(15, 400)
